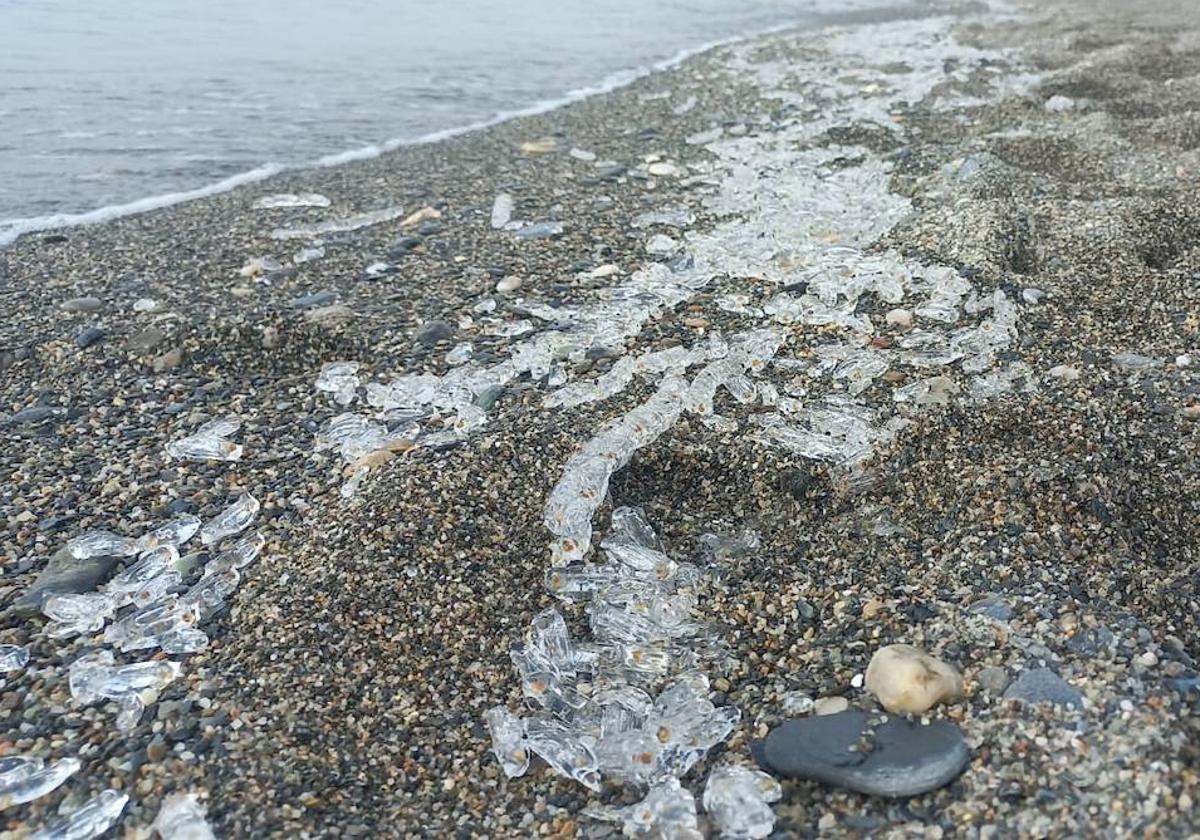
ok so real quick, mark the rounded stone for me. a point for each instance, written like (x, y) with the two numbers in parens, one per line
(907, 680)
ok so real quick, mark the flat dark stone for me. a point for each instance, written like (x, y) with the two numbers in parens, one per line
(1041, 685)
(316, 299)
(63, 574)
(89, 336)
(904, 759)
(433, 332)
(147, 339)
(403, 246)
(33, 414)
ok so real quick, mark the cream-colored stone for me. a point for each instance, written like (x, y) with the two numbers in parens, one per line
(899, 318)
(830, 705)
(907, 680)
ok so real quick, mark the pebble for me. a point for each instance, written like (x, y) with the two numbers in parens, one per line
(433, 332)
(1041, 685)
(1032, 296)
(33, 414)
(509, 284)
(167, 361)
(904, 759)
(321, 298)
(797, 704)
(1066, 372)
(147, 339)
(89, 336)
(907, 680)
(993, 680)
(993, 607)
(82, 304)
(663, 169)
(902, 318)
(830, 705)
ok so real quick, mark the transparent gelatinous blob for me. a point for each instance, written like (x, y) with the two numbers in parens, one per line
(340, 379)
(13, 657)
(502, 210)
(94, 676)
(137, 578)
(281, 200)
(564, 750)
(667, 811)
(738, 801)
(508, 741)
(100, 543)
(91, 819)
(182, 817)
(74, 614)
(240, 553)
(233, 520)
(174, 533)
(148, 627)
(349, 223)
(26, 778)
(208, 443)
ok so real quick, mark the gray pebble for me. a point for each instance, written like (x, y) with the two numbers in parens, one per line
(321, 298)
(433, 332)
(1041, 685)
(993, 680)
(89, 336)
(82, 304)
(33, 414)
(147, 339)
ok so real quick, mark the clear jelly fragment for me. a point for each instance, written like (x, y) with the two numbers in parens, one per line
(182, 817)
(31, 779)
(279, 200)
(91, 819)
(508, 741)
(147, 627)
(233, 520)
(209, 443)
(13, 657)
(14, 768)
(137, 577)
(240, 553)
(667, 811)
(174, 533)
(74, 614)
(93, 677)
(341, 380)
(566, 752)
(502, 210)
(99, 543)
(738, 800)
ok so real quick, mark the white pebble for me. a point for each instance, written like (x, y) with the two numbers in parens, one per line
(1064, 372)
(1183, 360)
(509, 284)
(899, 318)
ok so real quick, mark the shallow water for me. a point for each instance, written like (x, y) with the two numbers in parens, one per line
(108, 103)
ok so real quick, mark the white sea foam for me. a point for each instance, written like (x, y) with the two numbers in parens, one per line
(10, 229)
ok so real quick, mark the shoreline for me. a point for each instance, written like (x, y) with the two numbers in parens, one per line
(12, 229)
(1008, 517)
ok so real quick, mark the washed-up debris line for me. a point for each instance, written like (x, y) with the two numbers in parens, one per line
(631, 704)
(158, 601)
(803, 234)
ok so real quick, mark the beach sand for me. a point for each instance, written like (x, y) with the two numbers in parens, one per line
(344, 689)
